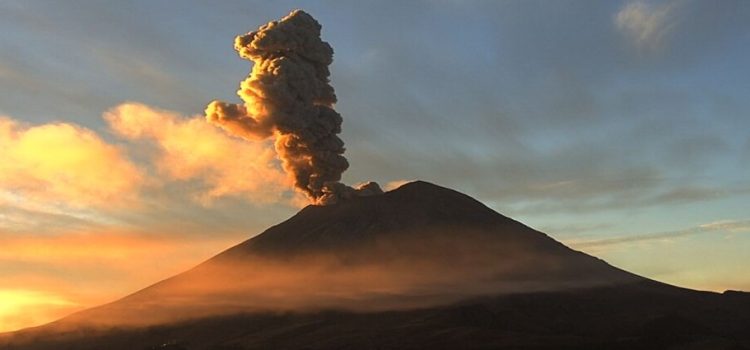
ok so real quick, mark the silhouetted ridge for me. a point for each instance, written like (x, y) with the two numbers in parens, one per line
(417, 207)
(419, 267)
(418, 245)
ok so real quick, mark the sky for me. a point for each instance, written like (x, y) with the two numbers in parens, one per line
(619, 128)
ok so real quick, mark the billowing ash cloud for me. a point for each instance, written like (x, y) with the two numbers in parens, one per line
(288, 96)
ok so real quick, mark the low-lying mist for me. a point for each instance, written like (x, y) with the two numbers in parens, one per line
(413, 271)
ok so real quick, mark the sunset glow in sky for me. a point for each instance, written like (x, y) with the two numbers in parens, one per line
(618, 128)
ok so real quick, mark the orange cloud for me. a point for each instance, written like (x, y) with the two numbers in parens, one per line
(191, 149)
(106, 245)
(22, 307)
(67, 191)
(64, 164)
(392, 185)
(46, 277)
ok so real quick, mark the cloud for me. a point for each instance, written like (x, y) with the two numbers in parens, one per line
(730, 226)
(575, 230)
(65, 164)
(23, 307)
(18, 216)
(646, 25)
(108, 247)
(191, 149)
(392, 185)
(49, 276)
(61, 177)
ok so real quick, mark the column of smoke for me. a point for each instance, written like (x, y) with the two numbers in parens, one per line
(288, 96)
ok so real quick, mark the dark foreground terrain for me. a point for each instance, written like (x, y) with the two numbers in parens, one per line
(420, 267)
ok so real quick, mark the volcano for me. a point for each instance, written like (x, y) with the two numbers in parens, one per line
(419, 267)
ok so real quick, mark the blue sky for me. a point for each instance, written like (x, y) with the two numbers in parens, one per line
(588, 120)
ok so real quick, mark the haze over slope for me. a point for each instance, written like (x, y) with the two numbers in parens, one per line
(417, 246)
(418, 267)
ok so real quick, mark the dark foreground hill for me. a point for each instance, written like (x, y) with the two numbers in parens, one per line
(420, 267)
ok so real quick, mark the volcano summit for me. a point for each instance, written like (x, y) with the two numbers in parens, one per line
(421, 266)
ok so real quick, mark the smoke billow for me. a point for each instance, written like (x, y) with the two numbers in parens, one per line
(288, 96)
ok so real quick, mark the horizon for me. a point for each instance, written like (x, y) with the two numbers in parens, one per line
(618, 129)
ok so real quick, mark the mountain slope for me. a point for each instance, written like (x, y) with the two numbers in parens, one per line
(421, 260)
(417, 246)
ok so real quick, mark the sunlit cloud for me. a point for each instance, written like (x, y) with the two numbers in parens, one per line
(392, 185)
(46, 277)
(646, 25)
(191, 149)
(110, 249)
(22, 307)
(65, 164)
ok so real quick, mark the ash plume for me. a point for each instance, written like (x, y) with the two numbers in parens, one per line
(288, 96)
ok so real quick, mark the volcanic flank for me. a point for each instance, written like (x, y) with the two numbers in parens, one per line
(418, 267)
(417, 246)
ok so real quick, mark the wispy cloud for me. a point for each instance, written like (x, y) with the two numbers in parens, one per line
(730, 226)
(646, 24)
